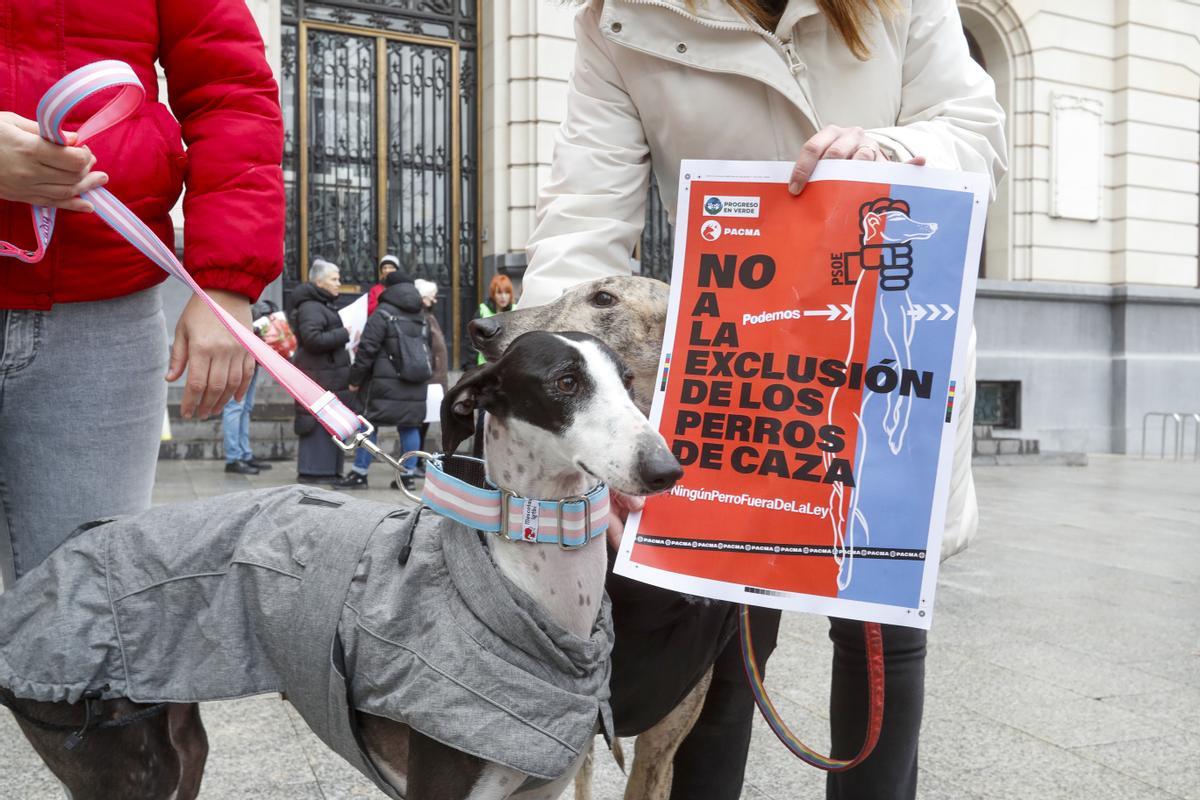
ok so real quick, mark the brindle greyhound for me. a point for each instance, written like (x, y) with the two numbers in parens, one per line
(552, 402)
(628, 314)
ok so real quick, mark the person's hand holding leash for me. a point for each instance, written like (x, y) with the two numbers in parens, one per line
(620, 507)
(837, 143)
(218, 366)
(42, 173)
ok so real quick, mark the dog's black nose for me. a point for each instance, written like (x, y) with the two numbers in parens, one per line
(658, 469)
(481, 330)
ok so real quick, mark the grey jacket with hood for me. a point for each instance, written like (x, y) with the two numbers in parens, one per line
(321, 596)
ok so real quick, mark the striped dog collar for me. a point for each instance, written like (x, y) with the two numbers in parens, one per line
(456, 487)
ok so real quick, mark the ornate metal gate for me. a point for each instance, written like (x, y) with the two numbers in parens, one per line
(657, 246)
(380, 109)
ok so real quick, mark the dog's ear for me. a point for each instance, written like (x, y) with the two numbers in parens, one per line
(478, 389)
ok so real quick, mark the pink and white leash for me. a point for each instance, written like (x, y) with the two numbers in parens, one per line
(343, 424)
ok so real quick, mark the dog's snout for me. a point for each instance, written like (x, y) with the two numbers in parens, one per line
(658, 469)
(482, 330)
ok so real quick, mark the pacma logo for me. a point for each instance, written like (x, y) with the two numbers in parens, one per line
(711, 230)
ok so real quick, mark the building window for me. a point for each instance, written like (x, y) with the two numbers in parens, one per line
(998, 403)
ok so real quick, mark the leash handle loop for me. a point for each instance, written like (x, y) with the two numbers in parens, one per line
(52, 111)
(874, 641)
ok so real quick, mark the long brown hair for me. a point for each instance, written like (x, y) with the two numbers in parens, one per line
(848, 16)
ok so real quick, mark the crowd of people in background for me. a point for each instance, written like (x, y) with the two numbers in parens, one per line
(395, 376)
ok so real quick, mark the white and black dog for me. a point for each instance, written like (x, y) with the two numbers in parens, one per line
(666, 643)
(560, 419)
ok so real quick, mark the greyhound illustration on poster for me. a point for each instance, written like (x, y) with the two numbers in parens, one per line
(812, 353)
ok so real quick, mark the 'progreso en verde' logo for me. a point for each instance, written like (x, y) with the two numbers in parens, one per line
(726, 206)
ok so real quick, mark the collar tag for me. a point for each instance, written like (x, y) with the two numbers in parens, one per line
(529, 520)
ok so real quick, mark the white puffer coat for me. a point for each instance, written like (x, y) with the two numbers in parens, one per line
(656, 82)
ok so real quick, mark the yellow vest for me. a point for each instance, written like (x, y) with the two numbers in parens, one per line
(485, 311)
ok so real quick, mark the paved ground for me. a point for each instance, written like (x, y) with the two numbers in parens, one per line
(1064, 658)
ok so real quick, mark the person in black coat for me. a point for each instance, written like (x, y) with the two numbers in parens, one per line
(388, 399)
(322, 355)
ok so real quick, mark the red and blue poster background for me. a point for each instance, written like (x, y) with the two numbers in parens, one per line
(807, 385)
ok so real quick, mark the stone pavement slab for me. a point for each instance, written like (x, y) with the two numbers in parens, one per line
(1064, 659)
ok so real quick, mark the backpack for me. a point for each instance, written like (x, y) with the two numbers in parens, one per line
(415, 358)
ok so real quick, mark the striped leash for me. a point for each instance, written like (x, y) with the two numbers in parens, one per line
(347, 429)
(874, 642)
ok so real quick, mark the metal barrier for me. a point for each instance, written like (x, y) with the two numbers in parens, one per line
(1194, 419)
(1179, 424)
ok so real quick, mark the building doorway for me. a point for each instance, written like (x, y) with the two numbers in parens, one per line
(381, 143)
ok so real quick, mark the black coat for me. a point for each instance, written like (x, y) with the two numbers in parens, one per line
(321, 346)
(387, 399)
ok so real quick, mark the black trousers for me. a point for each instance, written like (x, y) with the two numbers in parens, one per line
(711, 762)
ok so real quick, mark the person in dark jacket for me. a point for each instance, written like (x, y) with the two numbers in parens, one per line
(322, 355)
(386, 397)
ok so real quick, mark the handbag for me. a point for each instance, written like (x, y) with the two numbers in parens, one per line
(275, 330)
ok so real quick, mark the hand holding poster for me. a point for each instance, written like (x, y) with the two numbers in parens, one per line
(808, 375)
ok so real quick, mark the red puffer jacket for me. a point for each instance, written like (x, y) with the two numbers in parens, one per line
(223, 93)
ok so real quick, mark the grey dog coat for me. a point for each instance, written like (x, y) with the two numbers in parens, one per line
(333, 600)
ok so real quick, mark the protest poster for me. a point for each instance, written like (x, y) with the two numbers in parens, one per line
(807, 384)
(354, 319)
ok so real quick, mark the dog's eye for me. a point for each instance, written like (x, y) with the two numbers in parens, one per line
(603, 300)
(567, 384)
